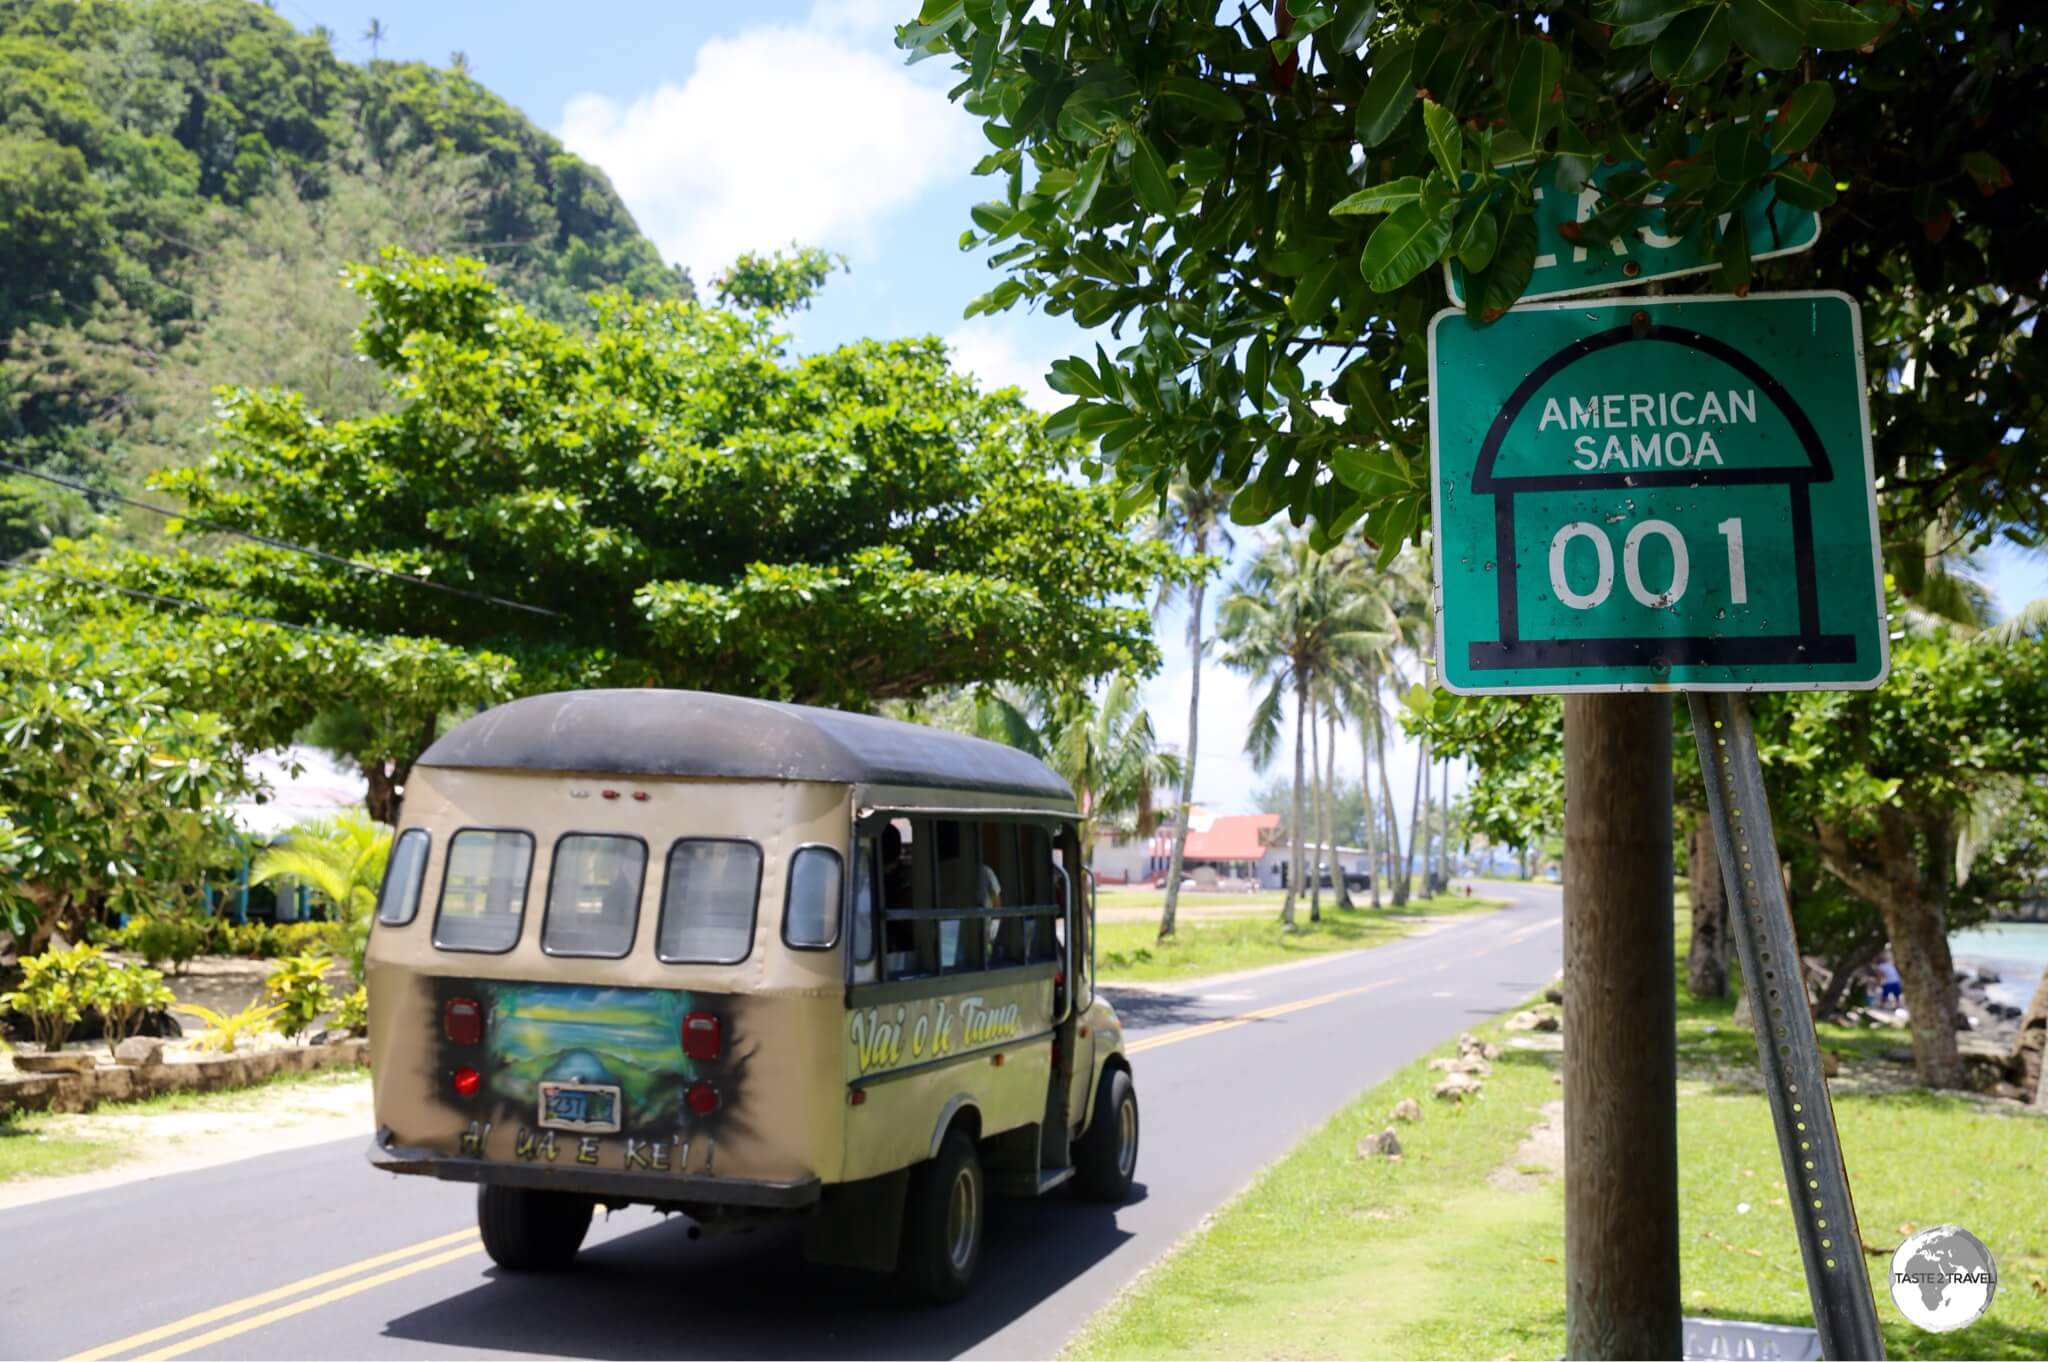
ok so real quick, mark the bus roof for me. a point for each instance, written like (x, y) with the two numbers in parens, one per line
(696, 733)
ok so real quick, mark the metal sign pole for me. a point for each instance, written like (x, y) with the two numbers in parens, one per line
(1815, 1177)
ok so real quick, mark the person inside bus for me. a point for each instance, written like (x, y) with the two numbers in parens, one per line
(899, 939)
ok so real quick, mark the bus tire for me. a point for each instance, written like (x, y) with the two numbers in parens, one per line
(527, 1230)
(1106, 1159)
(944, 1217)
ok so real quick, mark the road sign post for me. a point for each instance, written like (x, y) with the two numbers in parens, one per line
(1660, 494)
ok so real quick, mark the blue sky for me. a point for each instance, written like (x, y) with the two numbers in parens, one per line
(726, 127)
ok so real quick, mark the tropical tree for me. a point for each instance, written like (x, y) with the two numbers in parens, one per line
(375, 35)
(1294, 617)
(341, 859)
(1193, 521)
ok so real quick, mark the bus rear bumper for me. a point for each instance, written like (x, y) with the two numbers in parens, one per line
(604, 1184)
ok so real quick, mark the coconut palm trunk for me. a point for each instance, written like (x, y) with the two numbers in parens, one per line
(1339, 890)
(1399, 886)
(1373, 840)
(1295, 829)
(1316, 791)
(1415, 811)
(1187, 773)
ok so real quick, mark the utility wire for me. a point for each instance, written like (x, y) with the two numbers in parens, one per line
(19, 566)
(215, 527)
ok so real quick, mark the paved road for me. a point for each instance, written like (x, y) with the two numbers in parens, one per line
(312, 1254)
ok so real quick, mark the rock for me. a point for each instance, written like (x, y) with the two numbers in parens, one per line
(1386, 1144)
(1457, 1088)
(1467, 1042)
(142, 1052)
(1548, 1023)
(2011, 1092)
(1489, 1051)
(1407, 1109)
(62, 1062)
(1830, 1063)
(1472, 1064)
(1443, 1064)
(1523, 1021)
(1554, 994)
(1987, 975)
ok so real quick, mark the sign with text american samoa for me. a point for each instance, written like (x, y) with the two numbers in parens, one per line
(1656, 493)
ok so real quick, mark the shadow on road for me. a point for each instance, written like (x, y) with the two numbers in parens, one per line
(1142, 1009)
(654, 1293)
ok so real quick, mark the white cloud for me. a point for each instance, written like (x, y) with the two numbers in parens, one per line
(987, 348)
(813, 132)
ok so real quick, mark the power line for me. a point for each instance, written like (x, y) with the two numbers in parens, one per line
(18, 566)
(214, 527)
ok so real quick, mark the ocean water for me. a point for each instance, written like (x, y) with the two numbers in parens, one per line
(2018, 950)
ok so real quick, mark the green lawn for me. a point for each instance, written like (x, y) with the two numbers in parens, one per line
(40, 1145)
(1328, 1254)
(1130, 952)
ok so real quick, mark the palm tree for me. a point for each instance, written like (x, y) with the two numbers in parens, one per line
(375, 35)
(458, 63)
(1295, 617)
(342, 860)
(1193, 522)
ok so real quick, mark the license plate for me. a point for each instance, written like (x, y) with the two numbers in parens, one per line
(580, 1106)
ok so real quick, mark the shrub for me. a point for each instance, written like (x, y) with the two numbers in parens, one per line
(224, 1030)
(123, 996)
(56, 987)
(168, 938)
(301, 938)
(299, 984)
(353, 1016)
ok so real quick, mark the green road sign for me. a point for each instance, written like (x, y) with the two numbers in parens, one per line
(1564, 268)
(1659, 492)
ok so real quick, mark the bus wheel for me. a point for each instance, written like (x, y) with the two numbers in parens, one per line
(1106, 1159)
(943, 1219)
(526, 1230)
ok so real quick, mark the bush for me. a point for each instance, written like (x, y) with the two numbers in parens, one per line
(301, 938)
(160, 939)
(223, 1029)
(56, 987)
(299, 985)
(123, 995)
(353, 1016)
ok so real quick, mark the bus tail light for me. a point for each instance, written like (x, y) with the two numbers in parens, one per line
(466, 1081)
(462, 1021)
(703, 1098)
(703, 1037)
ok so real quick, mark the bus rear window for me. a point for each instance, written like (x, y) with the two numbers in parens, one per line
(483, 890)
(708, 897)
(594, 895)
(400, 900)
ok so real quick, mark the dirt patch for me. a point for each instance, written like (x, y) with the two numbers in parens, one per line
(226, 1128)
(1538, 1158)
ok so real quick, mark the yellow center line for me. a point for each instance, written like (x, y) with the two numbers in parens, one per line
(1262, 1014)
(219, 1312)
(188, 1346)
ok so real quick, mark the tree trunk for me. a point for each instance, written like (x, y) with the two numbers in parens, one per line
(381, 797)
(1706, 959)
(1620, 1063)
(1373, 840)
(1397, 888)
(1187, 773)
(1340, 890)
(2032, 1048)
(1316, 793)
(1444, 869)
(1294, 832)
(1842, 974)
(1415, 827)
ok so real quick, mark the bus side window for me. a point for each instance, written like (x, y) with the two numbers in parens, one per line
(1003, 888)
(1036, 866)
(960, 891)
(906, 883)
(867, 879)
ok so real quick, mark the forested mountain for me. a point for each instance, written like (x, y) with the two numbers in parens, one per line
(180, 183)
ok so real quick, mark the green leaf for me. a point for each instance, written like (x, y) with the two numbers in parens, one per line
(1446, 138)
(1499, 286)
(1640, 35)
(1475, 244)
(1218, 106)
(1772, 31)
(1537, 73)
(1148, 177)
(1379, 198)
(1734, 274)
(1834, 25)
(1081, 197)
(1387, 95)
(1258, 371)
(1622, 12)
(1804, 185)
(1311, 297)
(1739, 155)
(1407, 243)
(1352, 26)
(1801, 117)
(1693, 46)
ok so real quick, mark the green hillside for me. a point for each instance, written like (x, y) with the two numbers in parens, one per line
(180, 182)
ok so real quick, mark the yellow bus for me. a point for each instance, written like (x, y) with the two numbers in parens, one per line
(742, 960)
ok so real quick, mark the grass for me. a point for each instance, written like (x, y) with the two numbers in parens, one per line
(1328, 1254)
(42, 1145)
(1130, 952)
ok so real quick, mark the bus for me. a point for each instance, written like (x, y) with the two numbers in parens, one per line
(742, 960)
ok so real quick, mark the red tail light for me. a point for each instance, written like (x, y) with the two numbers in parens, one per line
(703, 1037)
(462, 1021)
(466, 1081)
(703, 1098)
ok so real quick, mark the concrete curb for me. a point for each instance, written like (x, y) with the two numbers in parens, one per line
(72, 1092)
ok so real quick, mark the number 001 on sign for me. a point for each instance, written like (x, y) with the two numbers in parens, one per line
(1656, 492)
